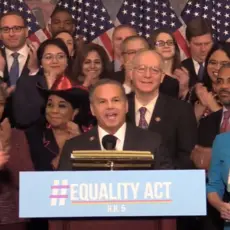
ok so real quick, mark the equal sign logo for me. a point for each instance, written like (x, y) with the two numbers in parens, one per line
(59, 192)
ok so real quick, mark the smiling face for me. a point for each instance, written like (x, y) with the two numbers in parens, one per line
(217, 59)
(14, 39)
(54, 60)
(147, 73)
(59, 112)
(165, 46)
(92, 65)
(109, 106)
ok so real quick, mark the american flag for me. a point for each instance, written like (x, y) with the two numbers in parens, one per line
(35, 32)
(148, 15)
(92, 21)
(216, 11)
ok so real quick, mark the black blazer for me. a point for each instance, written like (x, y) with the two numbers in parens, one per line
(90, 141)
(6, 78)
(175, 121)
(169, 86)
(209, 127)
(189, 65)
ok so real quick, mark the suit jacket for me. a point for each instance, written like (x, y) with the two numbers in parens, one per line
(188, 64)
(209, 128)
(8, 111)
(175, 121)
(90, 141)
(169, 86)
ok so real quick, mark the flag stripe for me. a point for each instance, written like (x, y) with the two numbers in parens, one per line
(181, 42)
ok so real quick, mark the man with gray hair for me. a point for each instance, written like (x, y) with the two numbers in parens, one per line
(129, 47)
(173, 119)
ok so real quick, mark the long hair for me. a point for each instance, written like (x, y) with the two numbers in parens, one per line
(77, 69)
(225, 47)
(176, 58)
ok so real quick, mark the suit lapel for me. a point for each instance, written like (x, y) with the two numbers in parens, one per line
(131, 110)
(158, 112)
(93, 140)
(128, 142)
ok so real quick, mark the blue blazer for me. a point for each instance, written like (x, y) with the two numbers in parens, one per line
(219, 168)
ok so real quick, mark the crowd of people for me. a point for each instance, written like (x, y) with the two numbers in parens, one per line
(65, 95)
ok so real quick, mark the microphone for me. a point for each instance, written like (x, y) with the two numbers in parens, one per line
(109, 142)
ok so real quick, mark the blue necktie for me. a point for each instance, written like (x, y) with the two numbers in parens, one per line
(201, 72)
(14, 70)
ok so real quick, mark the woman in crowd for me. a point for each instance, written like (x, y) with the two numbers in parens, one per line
(14, 157)
(54, 61)
(66, 110)
(69, 40)
(218, 177)
(164, 43)
(206, 99)
(91, 64)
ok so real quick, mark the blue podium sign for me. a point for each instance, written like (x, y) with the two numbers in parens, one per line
(112, 193)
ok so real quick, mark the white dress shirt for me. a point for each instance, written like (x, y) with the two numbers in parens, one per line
(150, 108)
(22, 58)
(196, 66)
(222, 119)
(120, 135)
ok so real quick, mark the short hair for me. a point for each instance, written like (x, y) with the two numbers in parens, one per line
(146, 51)
(60, 10)
(125, 26)
(225, 66)
(106, 81)
(14, 13)
(197, 27)
(133, 38)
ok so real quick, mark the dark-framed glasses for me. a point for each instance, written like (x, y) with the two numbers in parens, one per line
(161, 43)
(143, 69)
(15, 29)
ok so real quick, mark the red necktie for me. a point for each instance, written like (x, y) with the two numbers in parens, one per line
(225, 124)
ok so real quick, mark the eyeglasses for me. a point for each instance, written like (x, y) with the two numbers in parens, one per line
(215, 63)
(132, 52)
(15, 29)
(142, 69)
(58, 57)
(163, 43)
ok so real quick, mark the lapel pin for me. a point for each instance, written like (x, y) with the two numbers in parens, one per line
(157, 119)
(92, 138)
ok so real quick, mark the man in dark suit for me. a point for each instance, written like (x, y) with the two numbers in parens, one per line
(199, 37)
(173, 119)
(130, 46)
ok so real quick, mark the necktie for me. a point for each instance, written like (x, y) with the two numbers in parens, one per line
(14, 70)
(225, 124)
(201, 72)
(143, 123)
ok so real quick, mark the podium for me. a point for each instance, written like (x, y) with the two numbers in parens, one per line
(108, 197)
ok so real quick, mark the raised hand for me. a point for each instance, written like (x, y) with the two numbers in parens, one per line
(33, 61)
(2, 62)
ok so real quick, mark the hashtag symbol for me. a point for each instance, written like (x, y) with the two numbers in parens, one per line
(59, 192)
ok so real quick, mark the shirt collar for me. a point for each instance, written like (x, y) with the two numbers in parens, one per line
(149, 106)
(24, 51)
(196, 62)
(120, 134)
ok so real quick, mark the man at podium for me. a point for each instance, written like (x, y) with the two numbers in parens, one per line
(109, 105)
